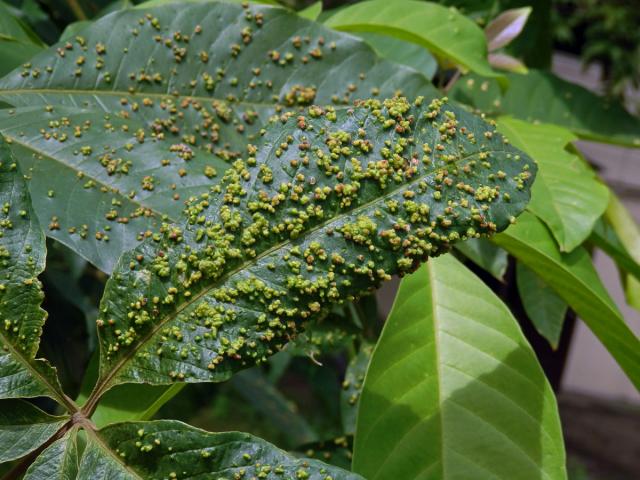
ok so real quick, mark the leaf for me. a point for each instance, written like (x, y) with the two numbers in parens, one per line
(486, 255)
(352, 388)
(505, 27)
(171, 449)
(18, 43)
(507, 62)
(541, 97)
(312, 12)
(22, 258)
(543, 306)
(575, 280)
(605, 238)
(164, 133)
(23, 428)
(255, 388)
(283, 237)
(627, 230)
(443, 31)
(59, 461)
(454, 390)
(403, 52)
(132, 402)
(567, 194)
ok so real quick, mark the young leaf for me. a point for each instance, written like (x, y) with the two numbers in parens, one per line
(352, 388)
(22, 258)
(567, 195)
(574, 279)
(541, 97)
(544, 307)
(59, 461)
(23, 428)
(505, 27)
(185, 86)
(327, 207)
(445, 32)
(312, 12)
(171, 449)
(454, 390)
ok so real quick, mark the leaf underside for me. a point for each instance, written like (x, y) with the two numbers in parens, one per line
(454, 390)
(185, 87)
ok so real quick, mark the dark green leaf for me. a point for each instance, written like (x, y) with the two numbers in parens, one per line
(170, 449)
(312, 12)
(486, 255)
(454, 390)
(544, 307)
(281, 412)
(320, 212)
(352, 388)
(22, 258)
(575, 280)
(542, 97)
(175, 108)
(567, 194)
(445, 32)
(23, 428)
(59, 461)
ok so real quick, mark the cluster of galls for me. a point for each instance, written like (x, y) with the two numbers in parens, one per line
(325, 209)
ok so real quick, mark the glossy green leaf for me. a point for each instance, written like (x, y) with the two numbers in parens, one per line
(401, 51)
(543, 306)
(575, 280)
(59, 461)
(171, 449)
(321, 212)
(628, 232)
(486, 255)
(445, 32)
(23, 428)
(22, 258)
(352, 388)
(606, 238)
(454, 390)
(567, 194)
(540, 96)
(180, 105)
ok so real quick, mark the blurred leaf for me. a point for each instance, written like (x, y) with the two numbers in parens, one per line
(505, 27)
(541, 97)
(445, 32)
(627, 230)
(507, 62)
(543, 306)
(575, 280)
(605, 238)
(312, 12)
(486, 255)
(352, 387)
(401, 51)
(454, 390)
(567, 194)
(18, 43)
(255, 387)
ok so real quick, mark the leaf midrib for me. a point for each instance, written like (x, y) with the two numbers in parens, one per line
(104, 383)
